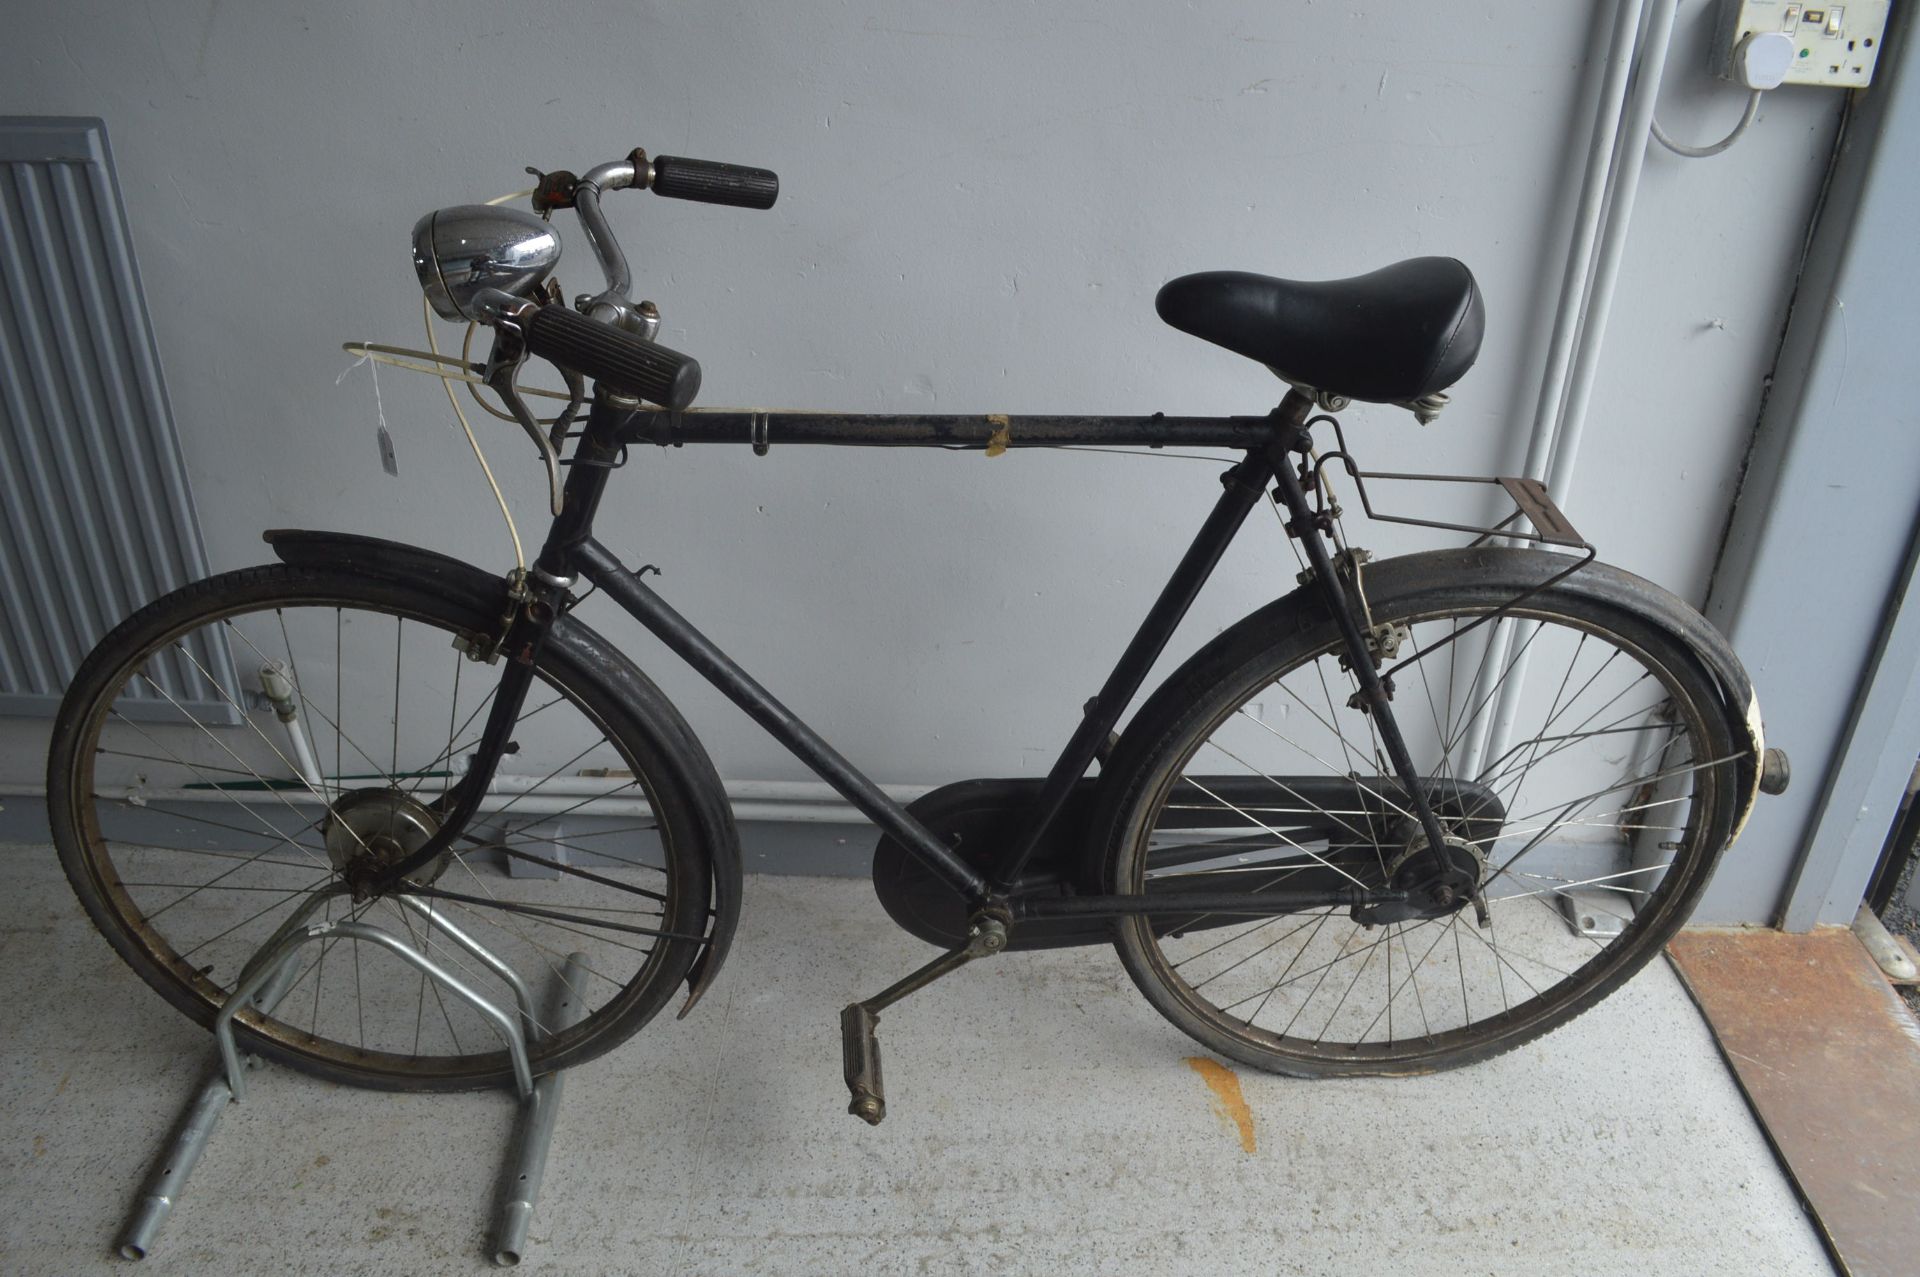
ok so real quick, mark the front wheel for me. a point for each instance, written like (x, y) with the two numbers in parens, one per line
(1579, 845)
(195, 826)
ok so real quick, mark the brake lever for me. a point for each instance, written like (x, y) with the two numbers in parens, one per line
(503, 366)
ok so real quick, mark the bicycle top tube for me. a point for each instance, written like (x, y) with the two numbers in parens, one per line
(990, 432)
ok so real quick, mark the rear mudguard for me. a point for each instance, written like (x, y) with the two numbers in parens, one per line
(1605, 583)
(1519, 569)
(463, 583)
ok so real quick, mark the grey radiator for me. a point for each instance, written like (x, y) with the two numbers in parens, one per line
(98, 519)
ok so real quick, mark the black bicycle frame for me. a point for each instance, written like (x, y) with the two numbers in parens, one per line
(1268, 442)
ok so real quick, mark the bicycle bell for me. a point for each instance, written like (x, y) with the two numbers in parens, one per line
(459, 251)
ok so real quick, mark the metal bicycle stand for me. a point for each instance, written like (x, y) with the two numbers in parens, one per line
(267, 978)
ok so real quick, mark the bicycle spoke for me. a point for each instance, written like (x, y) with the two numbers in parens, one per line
(257, 858)
(296, 892)
(1553, 715)
(339, 732)
(1292, 793)
(514, 801)
(577, 872)
(1301, 952)
(554, 959)
(425, 946)
(534, 911)
(1352, 984)
(1282, 939)
(255, 727)
(155, 758)
(1494, 689)
(279, 839)
(1605, 881)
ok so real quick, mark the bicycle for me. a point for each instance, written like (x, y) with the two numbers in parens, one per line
(1290, 844)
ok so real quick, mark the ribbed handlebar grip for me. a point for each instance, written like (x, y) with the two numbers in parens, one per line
(711, 182)
(616, 359)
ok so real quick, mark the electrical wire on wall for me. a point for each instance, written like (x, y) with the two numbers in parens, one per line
(1760, 62)
(1702, 152)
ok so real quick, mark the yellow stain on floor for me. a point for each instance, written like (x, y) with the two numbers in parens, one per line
(1228, 1102)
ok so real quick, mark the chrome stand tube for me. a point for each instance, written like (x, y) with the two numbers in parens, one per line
(533, 1130)
(168, 1178)
(522, 996)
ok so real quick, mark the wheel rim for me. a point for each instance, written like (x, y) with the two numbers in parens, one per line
(202, 837)
(1609, 808)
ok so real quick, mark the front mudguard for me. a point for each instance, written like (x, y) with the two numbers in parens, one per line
(450, 578)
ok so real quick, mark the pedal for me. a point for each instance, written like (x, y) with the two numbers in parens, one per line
(860, 1051)
(859, 1023)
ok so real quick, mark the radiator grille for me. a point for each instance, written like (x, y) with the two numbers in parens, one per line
(98, 518)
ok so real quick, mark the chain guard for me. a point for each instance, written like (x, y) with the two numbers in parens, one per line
(979, 819)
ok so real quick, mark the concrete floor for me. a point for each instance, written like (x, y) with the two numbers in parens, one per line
(1043, 1119)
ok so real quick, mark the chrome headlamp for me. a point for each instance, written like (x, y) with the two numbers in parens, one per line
(459, 251)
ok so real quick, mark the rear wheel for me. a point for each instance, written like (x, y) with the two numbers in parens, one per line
(1577, 850)
(192, 825)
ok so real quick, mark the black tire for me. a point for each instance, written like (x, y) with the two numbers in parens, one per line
(638, 913)
(1251, 989)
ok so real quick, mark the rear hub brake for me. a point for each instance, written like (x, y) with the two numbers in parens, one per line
(1436, 884)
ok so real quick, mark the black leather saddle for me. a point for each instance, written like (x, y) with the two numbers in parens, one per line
(1394, 335)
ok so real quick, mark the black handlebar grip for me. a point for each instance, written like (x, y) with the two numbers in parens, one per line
(618, 360)
(710, 182)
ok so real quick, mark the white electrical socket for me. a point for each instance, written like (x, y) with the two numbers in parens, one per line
(1834, 45)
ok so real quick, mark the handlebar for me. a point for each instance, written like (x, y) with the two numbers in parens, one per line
(711, 182)
(675, 176)
(615, 358)
(598, 342)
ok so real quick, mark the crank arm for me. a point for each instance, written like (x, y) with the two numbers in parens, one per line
(860, 1023)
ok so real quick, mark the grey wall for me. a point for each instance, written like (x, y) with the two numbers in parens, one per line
(979, 202)
(1817, 585)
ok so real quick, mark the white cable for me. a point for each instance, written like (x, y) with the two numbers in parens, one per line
(401, 357)
(519, 555)
(1702, 152)
(508, 199)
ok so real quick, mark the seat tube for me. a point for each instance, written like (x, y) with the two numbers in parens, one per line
(1245, 486)
(1375, 700)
